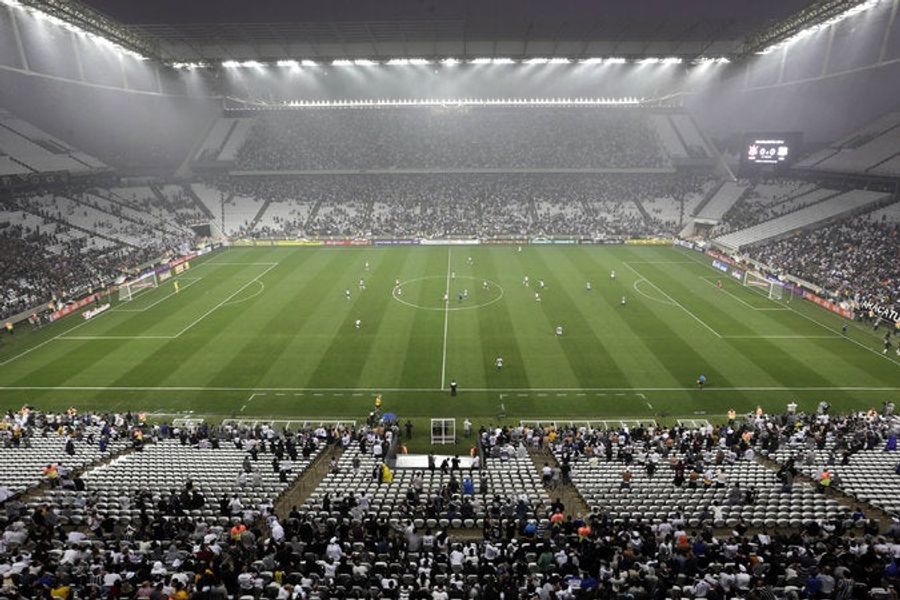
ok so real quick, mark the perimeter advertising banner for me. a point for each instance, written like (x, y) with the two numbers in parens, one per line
(68, 309)
(450, 242)
(395, 242)
(649, 242)
(504, 241)
(827, 304)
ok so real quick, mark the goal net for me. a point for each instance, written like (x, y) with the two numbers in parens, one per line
(130, 289)
(774, 290)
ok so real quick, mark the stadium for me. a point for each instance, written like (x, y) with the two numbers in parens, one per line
(411, 299)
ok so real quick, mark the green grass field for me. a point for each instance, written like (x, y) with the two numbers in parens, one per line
(268, 332)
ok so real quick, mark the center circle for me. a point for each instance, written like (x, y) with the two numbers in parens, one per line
(494, 289)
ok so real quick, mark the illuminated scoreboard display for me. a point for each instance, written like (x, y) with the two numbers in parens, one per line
(768, 151)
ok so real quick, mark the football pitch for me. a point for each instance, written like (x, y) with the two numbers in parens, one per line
(271, 332)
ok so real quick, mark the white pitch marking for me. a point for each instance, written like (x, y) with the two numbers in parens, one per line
(849, 339)
(738, 298)
(446, 322)
(675, 302)
(412, 390)
(223, 302)
(166, 297)
(650, 406)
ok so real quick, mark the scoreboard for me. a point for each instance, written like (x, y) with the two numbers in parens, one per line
(765, 151)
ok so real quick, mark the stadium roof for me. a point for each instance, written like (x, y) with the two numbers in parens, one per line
(221, 30)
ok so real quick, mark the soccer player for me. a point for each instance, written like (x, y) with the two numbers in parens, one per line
(701, 381)
(459, 297)
(367, 266)
(362, 283)
(499, 362)
(887, 344)
(719, 283)
(525, 281)
(399, 291)
(623, 300)
(612, 274)
(177, 288)
(446, 297)
(537, 297)
(559, 330)
(541, 283)
(465, 293)
(357, 323)
(587, 286)
(469, 261)
(484, 284)
(452, 274)
(396, 282)
(347, 293)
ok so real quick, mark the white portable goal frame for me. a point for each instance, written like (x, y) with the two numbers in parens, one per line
(774, 290)
(443, 431)
(129, 289)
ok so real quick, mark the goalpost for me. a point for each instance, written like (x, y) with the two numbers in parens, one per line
(774, 290)
(130, 289)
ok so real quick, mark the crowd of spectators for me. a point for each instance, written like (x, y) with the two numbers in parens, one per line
(563, 555)
(468, 205)
(764, 200)
(452, 138)
(856, 260)
(57, 261)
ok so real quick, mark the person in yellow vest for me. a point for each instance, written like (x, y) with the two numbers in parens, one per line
(387, 475)
(177, 289)
(377, 401)
(732, 414)
(759, 411)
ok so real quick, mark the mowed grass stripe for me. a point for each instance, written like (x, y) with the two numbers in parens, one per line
(495, 332)
(345, 356)
(311, 319)
(589, 357)
(238, 356)
(392, 323)
(543, 358)
(834, 358)
(635, 353)
(753, 360)
(425, 335)
(79, 362)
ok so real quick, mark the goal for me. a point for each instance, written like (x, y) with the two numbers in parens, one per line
(443, 431)
(130, 289)
(774, 290)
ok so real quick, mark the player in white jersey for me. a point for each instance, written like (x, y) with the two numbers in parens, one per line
(347, 293)
(612, 274)
(499, 362)
(537, 297)
(469, 261)
(367, 266)
(541, 283)
(623, 300)
(362, 283)
(465, 293)
(446, 297)
(559, 330)
(587, 286)
(484, 284)
(357, 323)
(452, 274)
(525, 281)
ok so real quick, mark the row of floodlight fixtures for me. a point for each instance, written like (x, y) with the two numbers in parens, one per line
(366, 62)
(54, 20)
